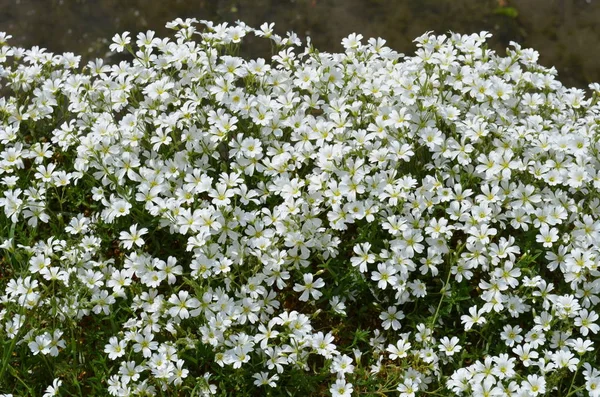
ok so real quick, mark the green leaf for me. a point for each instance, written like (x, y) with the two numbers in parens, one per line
(510, 12)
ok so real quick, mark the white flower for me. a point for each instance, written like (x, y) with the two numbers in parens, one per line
(323, 344)
(266, 30)
(352, 41)
(384, 275)
(40, 344)
(408, 388)
(565, 359)
(399, 350)
(181, 303)
(102, 302)
(133, 237)
(587, 322)
(263, 379)
(115, 348)
(342, 365)
(341, 389)
(130, 371)
(581, 346)
(363, 258)
(118, 208)
(263, 169)
(145, 343)
(547, 235)
(338, 305)
(487, 388)
(238, 356)
(52, 390)
(309, 287)
(391, 318)
(449, 346)
(147, 39)
(592, 385)
(119, 42)
(525, 354)
(535, 338)
(504, 366)
(266, 333)
(38, 263)
(179, 374)
(534, 385)
(510, 335)
(474, 317)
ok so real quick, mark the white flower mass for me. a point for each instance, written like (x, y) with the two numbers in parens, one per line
(300, 214)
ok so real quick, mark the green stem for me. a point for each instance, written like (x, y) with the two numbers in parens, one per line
(445, 287)
(9, 351)
(443, 294)
(573, 380)
(11, 236)
(16, 375)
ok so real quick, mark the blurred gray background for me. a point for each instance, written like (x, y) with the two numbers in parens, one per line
(565, 32)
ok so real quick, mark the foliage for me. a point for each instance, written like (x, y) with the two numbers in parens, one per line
(194, 223)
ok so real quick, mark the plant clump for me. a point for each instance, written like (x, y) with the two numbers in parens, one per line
(190, 222)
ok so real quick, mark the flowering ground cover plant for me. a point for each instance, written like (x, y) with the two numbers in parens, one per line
(363, 223)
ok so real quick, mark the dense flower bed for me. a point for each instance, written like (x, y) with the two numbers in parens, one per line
(195, 223)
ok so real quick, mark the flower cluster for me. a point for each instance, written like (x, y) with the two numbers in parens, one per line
(347, 216)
